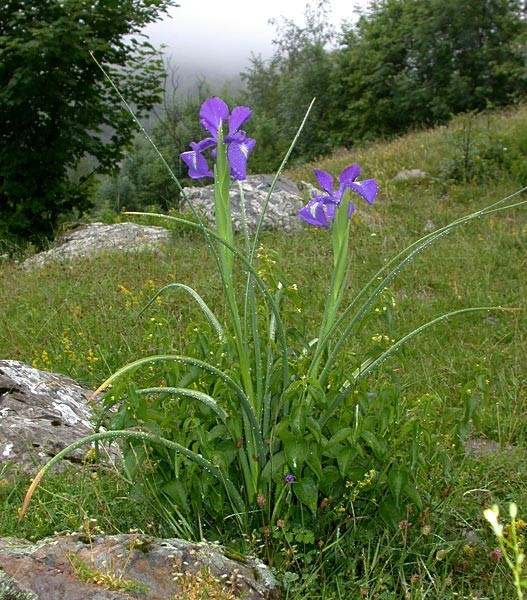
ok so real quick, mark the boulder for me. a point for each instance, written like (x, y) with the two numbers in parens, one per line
(282, 208)
(89, 239)
(125, 566)
(410, 174)
(93, 238)
(41, 413)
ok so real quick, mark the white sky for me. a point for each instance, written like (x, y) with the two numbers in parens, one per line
(224, 33)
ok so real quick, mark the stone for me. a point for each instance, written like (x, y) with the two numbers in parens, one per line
(282, 208)
(410, 174)
(126, 566)
(41, 413)
(90, 239)
(430, 226)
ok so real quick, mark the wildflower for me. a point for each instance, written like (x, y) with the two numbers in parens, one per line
(496, 555)
(213, 114)
(320, 210)
(289, 478)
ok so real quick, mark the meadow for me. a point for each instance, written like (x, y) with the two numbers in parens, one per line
(463, 379)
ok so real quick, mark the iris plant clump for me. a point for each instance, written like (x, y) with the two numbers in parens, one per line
(252, 427)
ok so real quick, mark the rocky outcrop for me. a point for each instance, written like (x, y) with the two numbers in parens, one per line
(282, 208)
(125, 566)
(410, 175)
(41, 413)
(90, 239)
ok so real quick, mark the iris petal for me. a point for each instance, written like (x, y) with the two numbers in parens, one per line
(197, 164)
(239, 115)
(325, 180)
(204, 144)
(367, 189)
(214, 112)
(330, 210)
(349, 174)
(238, 153)
(320, 210)
(314, 214)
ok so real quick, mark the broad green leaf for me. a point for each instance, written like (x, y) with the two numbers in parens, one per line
(306, 490)
(314, 428)
(397, 480)
(390, 514)
(296, 450)
(331, 483)
(313, 461)
(298, 418)
(176, 491)
(274, 465)
(345, 433)
(413, 495)
(377, 445)
(345, 457)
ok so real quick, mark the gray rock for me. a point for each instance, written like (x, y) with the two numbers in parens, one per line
(112, 567)
(41, 413)
(282, 208)
(93, 238)
(409, 174)
(90, 239)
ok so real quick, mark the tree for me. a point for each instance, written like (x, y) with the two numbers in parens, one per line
(281, 89)
(56, 107)
(143, 181)
(417, 62)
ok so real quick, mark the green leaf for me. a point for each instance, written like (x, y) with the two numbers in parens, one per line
(390, 514)
(296, 450)
(377, 445)
(331, 483)
(298, 418)
(397, 480)
(306, 490)
(413, 495)
(314, 428)
(273, 466)
(176, 491)
(345, 457)
(313, 461)
(345, 433)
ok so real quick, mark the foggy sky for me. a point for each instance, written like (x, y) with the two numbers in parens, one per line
(219, 35)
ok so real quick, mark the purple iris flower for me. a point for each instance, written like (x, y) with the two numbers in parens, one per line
(213, 114)
(289, 478)
(320, 210)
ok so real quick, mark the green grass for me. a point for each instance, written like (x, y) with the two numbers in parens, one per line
(82, 319)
